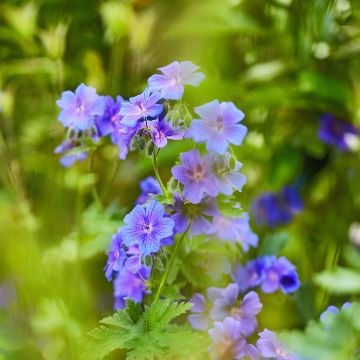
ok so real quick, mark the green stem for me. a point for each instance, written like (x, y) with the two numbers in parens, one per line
(94, 191)
(156, 171)
(170, 265)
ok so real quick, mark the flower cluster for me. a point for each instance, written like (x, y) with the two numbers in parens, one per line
(269, 273)
(200, 202)
(89, 116)
(337, 132)
(272, 209)
(147, 229)
(232, 322)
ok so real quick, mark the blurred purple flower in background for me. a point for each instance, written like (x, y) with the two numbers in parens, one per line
(336, 132)
(219, 126)
(146, 226)
(140, 107)
(148, 186)
(268, 272)
(196, 176)
(272, 209)
(175, 76)
(79, 109)
(235, 230)
(226, 305)
(70, 157)
(228, 342)
(279, 273)
(200, 318)
(251, 275)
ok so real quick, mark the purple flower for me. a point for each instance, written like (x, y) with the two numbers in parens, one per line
(176, 75)
(227, 305)
(75, 152)
(228, 342)
(196, 176)
(80, 108)
(274, 209)
(148, 186)
(251, 275)
(219, 126)
(200, 318)
(161, 130)
(133, 261)
(110, 119)
(140, 107)
(235, 230)
(270, 347)
(279, 273)
(292, 198)
(146, 226)
(229, 178)
(122, 137)
(196, 215)
(336, 132)
(116, 256)
(268, 272)
(128, 285)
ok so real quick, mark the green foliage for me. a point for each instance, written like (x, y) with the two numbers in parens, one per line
(340, 280)
(229, 207)
(274, 243)
(145, 335)
(283, 62)
(338, 339)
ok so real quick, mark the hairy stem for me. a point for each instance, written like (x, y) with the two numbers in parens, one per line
(170, 264)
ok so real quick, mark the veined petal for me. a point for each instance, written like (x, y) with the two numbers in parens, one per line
(193, 193)
(230, 113)
(194, 79)
(209, 111)
(235, 134)
(200, 130)
(67, 101)
(171, 70)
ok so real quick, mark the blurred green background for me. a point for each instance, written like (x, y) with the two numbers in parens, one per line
(283, 62)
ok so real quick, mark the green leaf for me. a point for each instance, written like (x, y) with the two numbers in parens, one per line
(103, 341)
(145, 336)
(274, 243)
(160, 313)
(339, 281)
(230, 209)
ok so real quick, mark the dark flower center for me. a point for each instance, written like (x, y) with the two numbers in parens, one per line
(197, 173)
(219, 123)
(191, 210)
(147, 228)
(287, 280)
(236, 312)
